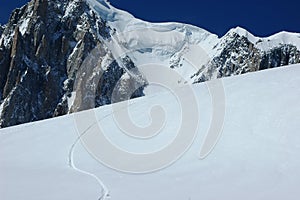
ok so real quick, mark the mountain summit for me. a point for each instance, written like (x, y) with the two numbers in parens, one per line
(48, 48)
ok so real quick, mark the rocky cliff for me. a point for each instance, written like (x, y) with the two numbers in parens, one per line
(41, 50)
(239, 55)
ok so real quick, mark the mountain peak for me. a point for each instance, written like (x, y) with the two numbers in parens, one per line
(243, 32)
(46, 46)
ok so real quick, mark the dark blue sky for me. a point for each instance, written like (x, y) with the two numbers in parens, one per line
(262, 17)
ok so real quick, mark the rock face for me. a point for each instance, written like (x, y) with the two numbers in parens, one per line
(1, 29)
(239, 56)
(55, 59)
(41, 50)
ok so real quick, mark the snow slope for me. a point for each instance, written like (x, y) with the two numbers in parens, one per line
(255, 158)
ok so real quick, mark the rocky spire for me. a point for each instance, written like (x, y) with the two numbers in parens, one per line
(42, 50)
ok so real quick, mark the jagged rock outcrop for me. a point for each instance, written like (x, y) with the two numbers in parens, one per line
(285, 54)
(40, 63)
(239, 56)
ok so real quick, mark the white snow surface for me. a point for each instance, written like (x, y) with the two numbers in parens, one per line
(173, 43)
(147, 42)
(255, 158)
(71, 99)
(1, 107)
(24, 25)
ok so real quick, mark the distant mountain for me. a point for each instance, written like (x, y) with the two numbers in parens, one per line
(50, 49)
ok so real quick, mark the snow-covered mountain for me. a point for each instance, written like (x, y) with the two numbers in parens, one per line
(62, 56)
(255, 158)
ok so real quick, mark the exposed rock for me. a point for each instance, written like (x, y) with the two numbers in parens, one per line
(1, 29)
(239, 56)
(284, 55)
(40, 63)
(40, 8)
